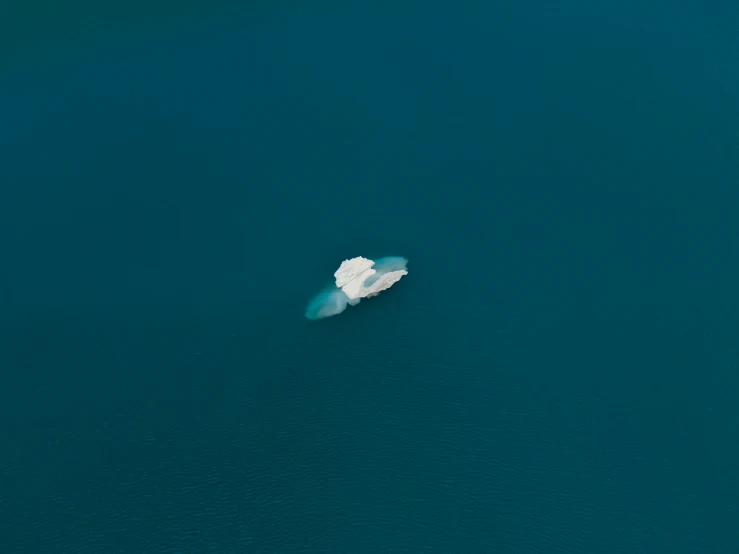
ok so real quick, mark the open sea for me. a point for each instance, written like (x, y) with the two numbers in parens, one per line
(558, 372)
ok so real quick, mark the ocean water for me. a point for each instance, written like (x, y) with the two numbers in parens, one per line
(557, 373)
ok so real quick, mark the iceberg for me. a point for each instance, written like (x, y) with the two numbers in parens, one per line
(355, 279)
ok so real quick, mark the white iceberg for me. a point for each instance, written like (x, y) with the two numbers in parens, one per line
(353, 277)
(357, 278)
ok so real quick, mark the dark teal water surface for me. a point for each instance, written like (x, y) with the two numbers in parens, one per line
(558, 372)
